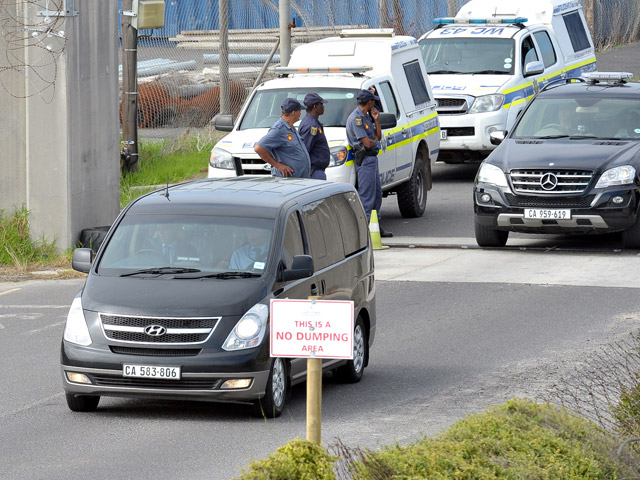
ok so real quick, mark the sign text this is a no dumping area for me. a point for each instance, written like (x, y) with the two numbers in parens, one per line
(311, 328)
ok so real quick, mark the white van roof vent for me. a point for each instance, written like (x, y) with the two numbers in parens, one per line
(367, 32)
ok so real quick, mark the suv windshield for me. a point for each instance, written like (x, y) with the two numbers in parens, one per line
(265, 108)
(187, 245)
(584, 116)
(491, 56)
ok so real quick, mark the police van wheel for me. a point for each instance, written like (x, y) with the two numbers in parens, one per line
(275, 395)
(412, 195)
(488, 237)
(354, 369)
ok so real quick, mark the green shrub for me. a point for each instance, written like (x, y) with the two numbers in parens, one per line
(296, 460)
(16, 247)
(627, 410)
(519, 440)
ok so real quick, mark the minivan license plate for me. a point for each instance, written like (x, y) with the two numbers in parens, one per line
(547, 213)
(149, 371)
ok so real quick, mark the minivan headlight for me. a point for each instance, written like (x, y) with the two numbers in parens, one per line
(491, 174)
(487, 103)
(221, 159)
(624, 175)
(76, 330)
(250, 329)
(338, 156)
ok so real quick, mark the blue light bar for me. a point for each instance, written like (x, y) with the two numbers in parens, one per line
(515, 20)
(443, 21)
(478, 20)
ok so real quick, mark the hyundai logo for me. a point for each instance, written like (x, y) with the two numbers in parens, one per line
(155, 330)
(549, 181)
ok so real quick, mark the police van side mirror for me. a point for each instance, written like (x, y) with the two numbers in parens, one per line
(81, 260)
(533, 68)
(387, 120)
(301, 267)
(497, 137)
(224, 123)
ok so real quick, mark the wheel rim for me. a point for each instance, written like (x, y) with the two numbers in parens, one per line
(278, 382)
(358, 348)
(420, 187)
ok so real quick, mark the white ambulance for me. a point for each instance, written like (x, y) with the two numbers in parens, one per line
(488, 61)
(336, 68)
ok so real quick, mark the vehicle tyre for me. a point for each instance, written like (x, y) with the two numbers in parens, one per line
(412, 194)
(275, 395)
(93, 237)
(354, 369)
(631, 236)
(82, 403)
(488, 237)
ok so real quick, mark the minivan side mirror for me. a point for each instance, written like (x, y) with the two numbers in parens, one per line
(81, 260)
(301, 267)
(224, 123)
(497, 137)
(533, 68)
(387, 120)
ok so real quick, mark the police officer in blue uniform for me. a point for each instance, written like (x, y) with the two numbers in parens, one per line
(363, 133)
(312, 133)
(282, 147)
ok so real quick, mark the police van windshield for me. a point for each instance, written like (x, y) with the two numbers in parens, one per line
(265, 108)
(488, 56)
(187, 244)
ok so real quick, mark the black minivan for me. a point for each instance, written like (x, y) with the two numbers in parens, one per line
(176, 302)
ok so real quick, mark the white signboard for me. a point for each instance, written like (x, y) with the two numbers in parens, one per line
(312, 328)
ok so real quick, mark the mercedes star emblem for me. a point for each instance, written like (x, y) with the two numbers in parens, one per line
(549, 181)
(155, 330)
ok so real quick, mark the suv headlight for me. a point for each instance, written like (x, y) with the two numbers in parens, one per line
(338, 156)
(624, 175)
(76, 330)
(250, 329)
(487, 103)
(221, 159)
(491, 174)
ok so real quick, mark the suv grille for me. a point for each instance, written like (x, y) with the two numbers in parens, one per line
(550, 182)
(452, 105)
(251, 166)
(549, 202)
(145, 330)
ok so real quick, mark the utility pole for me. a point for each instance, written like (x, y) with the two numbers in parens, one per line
(452, 8)
(285, 32)
(223, 63)
(384, 14)
(129, 150)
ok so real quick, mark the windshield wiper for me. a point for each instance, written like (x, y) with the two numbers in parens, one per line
(580, 137)
(545, 137)
(161, 271)
(224, 275)
(490, 72)
(442, 71)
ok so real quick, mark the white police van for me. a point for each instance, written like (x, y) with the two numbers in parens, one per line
(488, 61)
(336, 68)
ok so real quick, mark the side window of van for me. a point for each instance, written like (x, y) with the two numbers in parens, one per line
(293, 244)
(528, 52)
(546, 48)
(390, 99)
(352, 221)
(323, 233)
(416, 82)
(577, 33)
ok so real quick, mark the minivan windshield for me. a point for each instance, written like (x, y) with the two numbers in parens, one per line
(188, 245)
(481, 56)
(265, 107)
(581, 117)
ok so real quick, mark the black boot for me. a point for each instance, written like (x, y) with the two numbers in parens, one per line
(385, 234)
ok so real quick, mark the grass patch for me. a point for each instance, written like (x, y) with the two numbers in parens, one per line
(16, 247)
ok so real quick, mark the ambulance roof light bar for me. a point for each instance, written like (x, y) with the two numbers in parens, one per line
(352, 70)
(476, 21)
(367, 32)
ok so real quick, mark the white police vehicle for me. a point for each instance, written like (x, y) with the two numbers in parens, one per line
(336, 68)
(488, 61)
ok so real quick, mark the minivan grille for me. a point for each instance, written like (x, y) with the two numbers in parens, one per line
(184, 383)
(160, 330)
(156, 352)
(550, 182)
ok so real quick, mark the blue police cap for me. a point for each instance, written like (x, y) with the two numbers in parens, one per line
(366, 95)
(291, 105)
(312, 98)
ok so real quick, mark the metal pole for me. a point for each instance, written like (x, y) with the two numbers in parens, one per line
(129, 152)
(266, 64)
(452, 8)
(314, 396)
(285, 32)
(223, 65)
(384, 14)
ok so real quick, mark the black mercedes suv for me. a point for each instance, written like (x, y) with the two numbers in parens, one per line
(570, 164)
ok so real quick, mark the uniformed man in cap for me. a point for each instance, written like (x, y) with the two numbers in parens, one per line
(282, 147)
(312, 133)
(363, 133)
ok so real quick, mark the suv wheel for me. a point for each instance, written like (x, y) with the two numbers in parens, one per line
(631, 236)
(275, 395)
(488, 237)
(82, 403)
(412, 194)
(354, 369)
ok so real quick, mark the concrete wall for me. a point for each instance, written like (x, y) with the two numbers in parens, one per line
(63, 156)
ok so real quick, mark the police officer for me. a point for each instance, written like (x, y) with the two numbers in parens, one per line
(282, 147)
(363, 133)
(312, 133)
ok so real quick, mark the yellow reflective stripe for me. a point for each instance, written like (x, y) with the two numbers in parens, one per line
(522, 86)
(422, 120)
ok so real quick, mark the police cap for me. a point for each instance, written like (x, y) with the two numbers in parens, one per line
(291, 105)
